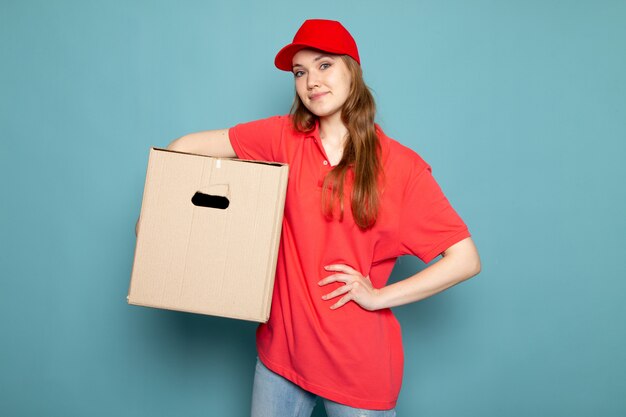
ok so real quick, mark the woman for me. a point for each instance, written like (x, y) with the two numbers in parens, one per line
(356, 200)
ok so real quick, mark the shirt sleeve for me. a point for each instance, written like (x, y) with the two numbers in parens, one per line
(428, 223)
(259, 139)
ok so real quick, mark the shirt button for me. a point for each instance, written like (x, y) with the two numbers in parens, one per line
(325, 162)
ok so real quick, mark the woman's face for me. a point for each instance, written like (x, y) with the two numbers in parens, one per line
(322, 81)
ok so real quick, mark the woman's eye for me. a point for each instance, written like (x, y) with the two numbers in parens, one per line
(324, 65)
(298, 74)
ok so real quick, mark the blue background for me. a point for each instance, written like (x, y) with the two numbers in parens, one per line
(519, 106)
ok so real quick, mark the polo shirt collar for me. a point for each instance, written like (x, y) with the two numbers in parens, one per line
(315, 133)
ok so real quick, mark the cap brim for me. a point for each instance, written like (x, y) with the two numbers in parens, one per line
(284, 57)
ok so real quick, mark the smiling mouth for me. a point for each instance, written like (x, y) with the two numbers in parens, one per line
(317, 96)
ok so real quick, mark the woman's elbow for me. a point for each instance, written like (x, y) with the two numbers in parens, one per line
(466, 257)
(472, 260)
(476, 266)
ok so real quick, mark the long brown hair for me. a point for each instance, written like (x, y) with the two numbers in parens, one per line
(361, 151)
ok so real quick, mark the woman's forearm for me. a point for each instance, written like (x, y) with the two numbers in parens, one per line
(459, 262)
(213, 143)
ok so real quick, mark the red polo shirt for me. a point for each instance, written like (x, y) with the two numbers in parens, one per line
(349, 355)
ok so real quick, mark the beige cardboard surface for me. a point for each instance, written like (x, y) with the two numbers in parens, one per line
(202, 259)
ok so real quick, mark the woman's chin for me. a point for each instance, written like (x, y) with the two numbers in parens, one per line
(321, 113)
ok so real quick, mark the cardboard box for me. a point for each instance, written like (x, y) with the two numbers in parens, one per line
(208, 235)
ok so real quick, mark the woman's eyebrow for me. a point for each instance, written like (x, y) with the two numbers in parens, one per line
(317, 58)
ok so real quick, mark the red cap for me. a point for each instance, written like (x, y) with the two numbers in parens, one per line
(325, 35)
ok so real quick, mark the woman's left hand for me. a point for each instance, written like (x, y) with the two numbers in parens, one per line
(357, 288)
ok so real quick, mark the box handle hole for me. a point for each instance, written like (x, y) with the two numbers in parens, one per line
(207, 200)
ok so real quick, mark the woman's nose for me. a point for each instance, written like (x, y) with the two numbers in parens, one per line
(312, 80)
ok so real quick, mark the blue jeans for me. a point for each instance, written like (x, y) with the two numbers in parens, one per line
(275, 396)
